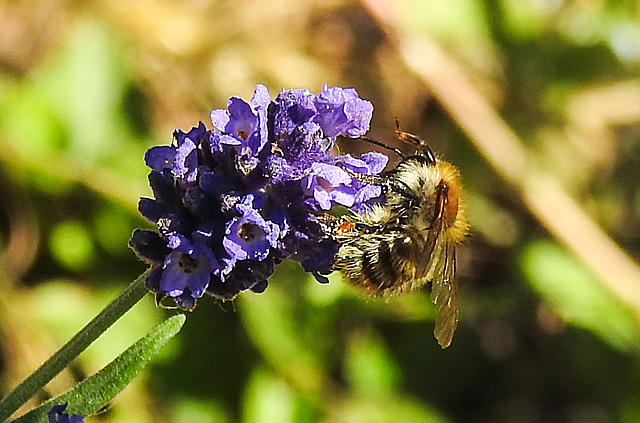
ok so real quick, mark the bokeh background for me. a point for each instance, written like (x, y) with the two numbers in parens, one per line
(536, 101)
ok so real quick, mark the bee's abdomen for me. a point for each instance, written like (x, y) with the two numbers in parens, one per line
(380, 263)
(378, 267)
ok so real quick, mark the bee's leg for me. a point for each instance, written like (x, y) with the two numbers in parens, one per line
(383, 145)
(328, 219)
(366, 178)
(401, 188)
(329, 222)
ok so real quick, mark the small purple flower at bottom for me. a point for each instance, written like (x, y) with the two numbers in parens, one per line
(57, 415)
(187, 270)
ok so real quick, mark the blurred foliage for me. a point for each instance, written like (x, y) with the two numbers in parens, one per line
(87, 87)
(577, 297)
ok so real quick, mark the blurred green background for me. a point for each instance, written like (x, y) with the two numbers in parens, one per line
(549, 328)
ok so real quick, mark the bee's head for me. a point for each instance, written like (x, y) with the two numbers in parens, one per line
(425, 152)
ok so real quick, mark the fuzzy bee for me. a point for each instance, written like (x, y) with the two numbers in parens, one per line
(411, 239)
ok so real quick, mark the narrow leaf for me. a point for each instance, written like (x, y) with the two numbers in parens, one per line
(96, 391)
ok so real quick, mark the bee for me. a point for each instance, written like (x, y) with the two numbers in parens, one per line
(411, 239)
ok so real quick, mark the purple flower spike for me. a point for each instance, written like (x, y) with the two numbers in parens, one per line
(231, 202)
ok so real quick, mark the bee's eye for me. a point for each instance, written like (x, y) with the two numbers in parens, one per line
(447, 199)
(452, 207)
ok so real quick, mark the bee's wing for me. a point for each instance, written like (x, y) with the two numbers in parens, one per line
(444, 291)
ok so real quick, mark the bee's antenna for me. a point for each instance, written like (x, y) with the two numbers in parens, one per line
(383, 145)
(412, 139)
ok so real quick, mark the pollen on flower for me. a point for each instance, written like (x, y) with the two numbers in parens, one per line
(346, 227)
(233, 201)
(248, 232)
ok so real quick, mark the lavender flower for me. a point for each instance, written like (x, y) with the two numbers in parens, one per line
(250, 235)
(243, 126)
(368, 164)
(327, 185)
(341, 112)
(233, 201)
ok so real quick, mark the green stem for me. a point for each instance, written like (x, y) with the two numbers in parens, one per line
(65, 355)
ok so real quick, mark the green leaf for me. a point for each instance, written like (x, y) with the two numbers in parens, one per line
(95, 391)
(369, 367)
(578, 296)
(291, 334)
(268, 399)
(71, 244)
(396, 408)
